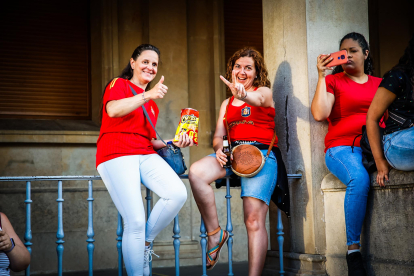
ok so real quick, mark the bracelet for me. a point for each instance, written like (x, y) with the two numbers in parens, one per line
(143, 97)
(245, 96)
(13, 245)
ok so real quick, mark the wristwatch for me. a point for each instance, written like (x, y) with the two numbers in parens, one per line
(12, 241)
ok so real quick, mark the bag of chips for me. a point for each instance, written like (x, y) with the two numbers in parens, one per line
(188, 124)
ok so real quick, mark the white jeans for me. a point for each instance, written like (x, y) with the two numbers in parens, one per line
(122, 177)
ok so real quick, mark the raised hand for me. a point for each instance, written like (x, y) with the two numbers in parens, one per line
(158, 91)
(237, 89)
(322, 60)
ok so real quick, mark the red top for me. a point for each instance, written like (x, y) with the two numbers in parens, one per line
(349, 111)
(251, 123)
(127, 135)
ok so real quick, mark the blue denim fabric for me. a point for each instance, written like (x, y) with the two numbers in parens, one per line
(261, 185)
(399, 149)
(347, 167)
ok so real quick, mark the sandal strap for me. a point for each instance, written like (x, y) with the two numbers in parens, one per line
(214, 232)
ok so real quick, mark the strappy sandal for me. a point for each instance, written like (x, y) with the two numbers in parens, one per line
(224, 235)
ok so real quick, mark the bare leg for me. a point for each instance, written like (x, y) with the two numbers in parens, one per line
(202, 174)
(255, 212)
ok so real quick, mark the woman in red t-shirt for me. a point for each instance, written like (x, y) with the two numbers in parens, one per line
(126, 157)
(343, 99)
(250, 117)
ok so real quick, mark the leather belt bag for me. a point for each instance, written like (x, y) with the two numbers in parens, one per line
(248, 160)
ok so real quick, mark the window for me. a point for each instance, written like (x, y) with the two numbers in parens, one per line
(44, 60)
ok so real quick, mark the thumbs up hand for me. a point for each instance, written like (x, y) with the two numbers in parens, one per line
(158, 91)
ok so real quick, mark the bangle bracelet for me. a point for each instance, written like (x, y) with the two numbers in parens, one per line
(143, 97)
(245, 96)
(13, 245)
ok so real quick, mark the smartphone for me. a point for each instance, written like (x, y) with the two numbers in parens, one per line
(339, 58)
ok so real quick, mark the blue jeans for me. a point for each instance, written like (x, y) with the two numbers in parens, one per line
(399, 149)
(347, 167)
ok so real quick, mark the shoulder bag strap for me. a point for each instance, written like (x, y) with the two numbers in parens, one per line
(398, 118)
(147, 116)
(228, 131)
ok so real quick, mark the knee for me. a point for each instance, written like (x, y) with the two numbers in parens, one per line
(135, 224)
(181, 196)
(178, 194)
(196, 172)
(361, 182)
(252, 223)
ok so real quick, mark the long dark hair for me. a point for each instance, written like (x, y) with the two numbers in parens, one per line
(128, 72)
(368, 64)
(406, 62)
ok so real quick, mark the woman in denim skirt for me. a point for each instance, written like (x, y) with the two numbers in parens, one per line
(250, 118)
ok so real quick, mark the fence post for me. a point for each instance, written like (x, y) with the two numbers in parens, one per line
(28, 233)
(119, 232)
(60, 234)
(90, 233)
(148, 198)
(176, 231)
(203, 243)
(280, 240)
(229, 228)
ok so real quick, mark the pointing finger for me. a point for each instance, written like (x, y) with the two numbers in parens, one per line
(225, 81)
(233, 78)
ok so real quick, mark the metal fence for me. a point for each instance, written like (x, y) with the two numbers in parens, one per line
(90, 231)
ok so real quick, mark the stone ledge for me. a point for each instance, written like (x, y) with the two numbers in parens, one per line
(295, 264)
(398, 180)
(47, 136)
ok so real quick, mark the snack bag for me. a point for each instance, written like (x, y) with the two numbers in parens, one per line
(188, 124)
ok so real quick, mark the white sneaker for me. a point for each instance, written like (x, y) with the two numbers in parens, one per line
(147, 259)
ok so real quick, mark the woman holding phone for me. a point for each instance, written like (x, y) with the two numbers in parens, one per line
(126, 157)
(343, 99)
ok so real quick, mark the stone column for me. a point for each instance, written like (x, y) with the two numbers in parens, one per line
(295, 33)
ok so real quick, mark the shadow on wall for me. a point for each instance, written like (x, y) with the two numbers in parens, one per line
(287, 107)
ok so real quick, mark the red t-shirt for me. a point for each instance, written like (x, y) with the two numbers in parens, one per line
(127, 135)
(349, 111)
(251, 123)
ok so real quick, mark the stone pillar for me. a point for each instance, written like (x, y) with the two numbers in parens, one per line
(295, 33)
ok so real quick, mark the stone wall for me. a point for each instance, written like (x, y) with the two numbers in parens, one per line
(386, 241)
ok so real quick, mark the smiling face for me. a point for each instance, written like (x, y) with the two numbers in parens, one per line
(145, 67)
(356, 56)
(245, 71)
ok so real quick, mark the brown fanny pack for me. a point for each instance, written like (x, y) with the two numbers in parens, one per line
(248, 160)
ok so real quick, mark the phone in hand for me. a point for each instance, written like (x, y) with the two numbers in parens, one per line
(340, 57)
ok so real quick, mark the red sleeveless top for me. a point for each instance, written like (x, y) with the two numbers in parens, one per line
(251, 123)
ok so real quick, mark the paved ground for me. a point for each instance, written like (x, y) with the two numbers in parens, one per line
(239, 269)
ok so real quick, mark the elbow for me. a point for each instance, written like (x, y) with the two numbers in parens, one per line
(319, 117)
(111, 114)
(22, 265)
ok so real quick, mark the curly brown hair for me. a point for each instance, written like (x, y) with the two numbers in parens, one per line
(262, 74)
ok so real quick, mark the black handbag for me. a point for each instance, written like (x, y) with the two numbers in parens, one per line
(170, 153)
(367, 156)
